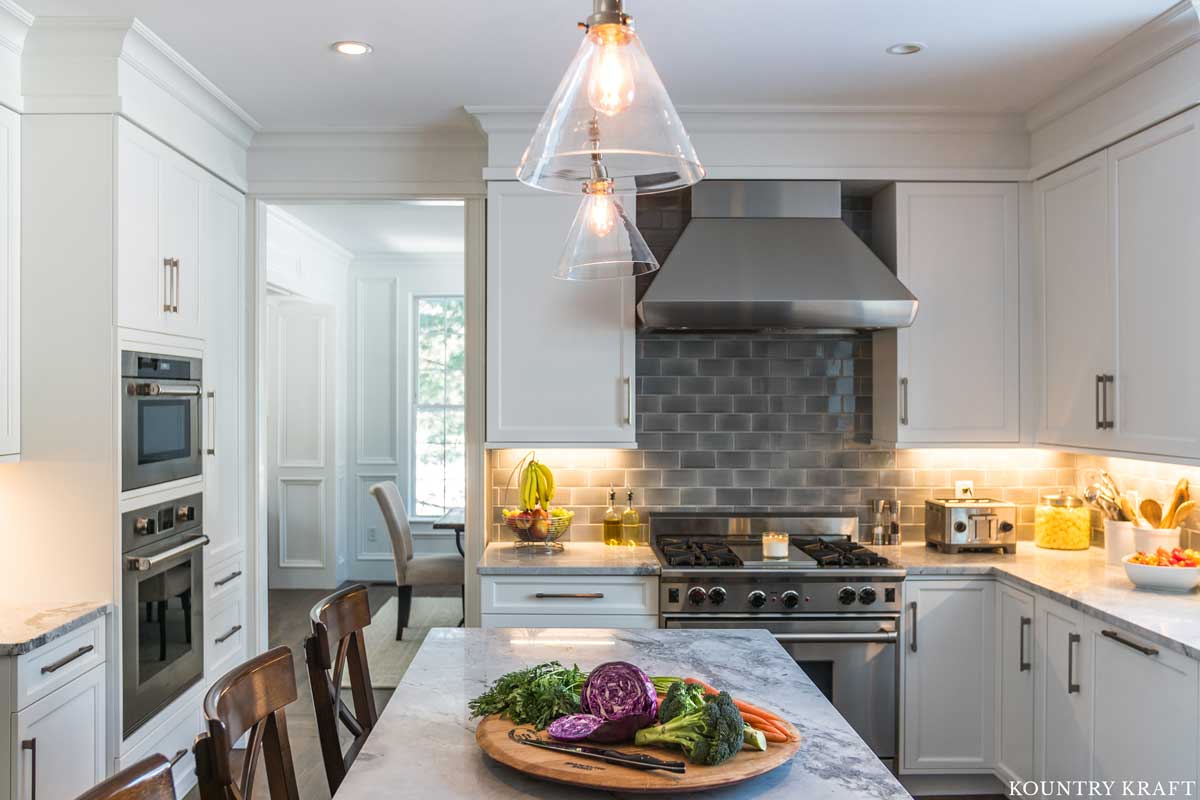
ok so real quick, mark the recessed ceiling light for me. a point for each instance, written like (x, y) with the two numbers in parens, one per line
(905, 48)
(352, 48)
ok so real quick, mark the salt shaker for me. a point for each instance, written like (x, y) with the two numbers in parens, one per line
(878, 522)
(893, 535)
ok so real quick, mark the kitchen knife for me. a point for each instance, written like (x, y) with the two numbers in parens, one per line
(632, 760)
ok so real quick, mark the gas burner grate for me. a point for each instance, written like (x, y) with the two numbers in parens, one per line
(843, 554)
(682, 552)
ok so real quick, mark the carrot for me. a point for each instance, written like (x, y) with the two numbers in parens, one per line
(763, 725)
(771, 735)
(774, 720)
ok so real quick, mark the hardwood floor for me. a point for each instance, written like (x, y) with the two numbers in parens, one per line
(288, 620)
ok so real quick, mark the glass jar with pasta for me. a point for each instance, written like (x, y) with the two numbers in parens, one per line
(1062, 522)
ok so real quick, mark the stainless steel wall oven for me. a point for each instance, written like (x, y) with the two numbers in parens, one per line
(160, 419)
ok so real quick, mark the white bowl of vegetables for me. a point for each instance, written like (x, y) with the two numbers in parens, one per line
(1175, 570)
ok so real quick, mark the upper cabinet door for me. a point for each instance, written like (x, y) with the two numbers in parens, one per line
(560, 354)
(179, 212)
(10, 283)
(1153, 180)
(959, 368)
(1077, 291)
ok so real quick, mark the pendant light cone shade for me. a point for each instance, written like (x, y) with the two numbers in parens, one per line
(604, 243)
(611, 102)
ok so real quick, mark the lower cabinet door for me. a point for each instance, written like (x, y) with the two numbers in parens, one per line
(1065, 691)
(59, 741)
(949, 676)
(1015, 676)
(1145, 709)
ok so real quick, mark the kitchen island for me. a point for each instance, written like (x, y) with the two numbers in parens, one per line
(424, 744)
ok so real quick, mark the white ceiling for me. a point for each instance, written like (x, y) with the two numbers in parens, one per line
(432, 58)
(387, 228)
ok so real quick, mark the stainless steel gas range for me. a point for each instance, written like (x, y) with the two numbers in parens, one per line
(833, 604)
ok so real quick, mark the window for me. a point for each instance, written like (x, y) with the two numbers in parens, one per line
(439, 421)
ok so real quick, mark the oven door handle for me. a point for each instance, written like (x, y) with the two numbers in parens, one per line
(882, 637)
(139, 564)
(171, 390)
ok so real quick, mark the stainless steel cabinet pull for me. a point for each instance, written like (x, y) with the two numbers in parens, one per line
(31, 746)
(212, 423)
(1072, 640)
(179, 754)
(1026, 622)
(175, 303)
(168, 278)
(1106, 420)
(62, 662)
(228, 578)
(138, 564)
(630, 401)
(912, 640)
(1141, 648)
(223, 637)
(1099, 388)
(575, 596)
(904, 401)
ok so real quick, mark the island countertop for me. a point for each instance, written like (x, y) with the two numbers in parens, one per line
(576, 558)
(26, 627)
(1081, 579)
(425, 741)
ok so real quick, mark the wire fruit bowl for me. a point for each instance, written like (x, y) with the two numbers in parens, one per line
(538, 529)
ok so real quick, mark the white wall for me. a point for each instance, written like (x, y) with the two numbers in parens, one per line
(382, 291)
(304, 264)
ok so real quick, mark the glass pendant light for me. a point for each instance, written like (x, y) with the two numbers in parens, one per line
(612, 88)
(603, 241)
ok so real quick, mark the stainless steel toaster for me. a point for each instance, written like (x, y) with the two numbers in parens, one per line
(973, 523)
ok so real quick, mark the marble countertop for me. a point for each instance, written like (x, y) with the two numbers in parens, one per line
(425, 742)
(1081, 579)
(25, 628)
(576, 558)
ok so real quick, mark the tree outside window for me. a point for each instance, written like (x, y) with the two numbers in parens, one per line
(439, 430)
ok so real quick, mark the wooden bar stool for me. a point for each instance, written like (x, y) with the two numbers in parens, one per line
(339, 620)
(251, 697)
(148, 779)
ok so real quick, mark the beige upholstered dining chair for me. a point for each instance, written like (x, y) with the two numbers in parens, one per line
(440, 570)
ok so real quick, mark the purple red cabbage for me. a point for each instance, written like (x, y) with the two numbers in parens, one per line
(623, 696)
(575, 727)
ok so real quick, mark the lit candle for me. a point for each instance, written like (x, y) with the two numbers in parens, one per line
(775, 545)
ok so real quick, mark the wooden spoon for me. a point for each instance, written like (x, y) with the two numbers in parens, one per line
(1128, 510)
(1153, 512)
(1181, 513)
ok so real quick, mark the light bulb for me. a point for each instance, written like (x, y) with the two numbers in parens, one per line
(610, 84)
(602, 208)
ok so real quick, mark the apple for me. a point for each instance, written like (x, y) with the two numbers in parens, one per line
(523, 520)
(540, 529)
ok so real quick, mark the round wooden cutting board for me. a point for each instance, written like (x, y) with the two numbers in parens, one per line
(493, 738)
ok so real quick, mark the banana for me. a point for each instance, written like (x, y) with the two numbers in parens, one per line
(551, 488)
(541, 487)
(527, 489)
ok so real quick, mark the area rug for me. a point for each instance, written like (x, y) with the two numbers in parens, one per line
(388, 659)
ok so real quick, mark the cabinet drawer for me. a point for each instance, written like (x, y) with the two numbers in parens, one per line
(59, 662)
(225, 579)
(570, 594)
(225, 638)
(176, 733)
(628, 621)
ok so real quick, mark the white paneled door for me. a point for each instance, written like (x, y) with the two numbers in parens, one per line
(301, 424)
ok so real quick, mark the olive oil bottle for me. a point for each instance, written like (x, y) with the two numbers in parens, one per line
(631, 523)
(612, 520)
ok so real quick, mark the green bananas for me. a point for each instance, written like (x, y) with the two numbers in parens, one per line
(537, 486)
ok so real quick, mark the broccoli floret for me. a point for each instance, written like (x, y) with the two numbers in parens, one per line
(754, 737)
(682, 698)
(711, 734)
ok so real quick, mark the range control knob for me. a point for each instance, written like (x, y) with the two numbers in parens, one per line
(960, 526)
(696, 595)
(757, 599)
(1005, 527)
(866, 596)
(790, 599)
(716, 595)
(847, 595)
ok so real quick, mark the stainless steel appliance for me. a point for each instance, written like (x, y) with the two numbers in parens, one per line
(162, 602)
(160, 419)
(834, 605)
(971, 523)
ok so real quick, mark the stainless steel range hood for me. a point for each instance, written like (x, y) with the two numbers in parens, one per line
(773, 256)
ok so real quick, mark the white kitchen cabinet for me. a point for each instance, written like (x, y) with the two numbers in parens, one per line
(560, 354)
(953, 377)
(10, 284)
(1064, 693)
(59, 742)
(158, 235)
(222, 215)
(1014, 684)
(949, 674)
(1077, 296)
(1144, 713)
(569, 601)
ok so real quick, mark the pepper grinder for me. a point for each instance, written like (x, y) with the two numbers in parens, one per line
(893, 536)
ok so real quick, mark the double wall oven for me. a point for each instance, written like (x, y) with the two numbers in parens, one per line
(832, 604)
(162, 606)
(161, 400)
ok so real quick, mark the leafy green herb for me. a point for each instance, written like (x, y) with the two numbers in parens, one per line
(535, 696)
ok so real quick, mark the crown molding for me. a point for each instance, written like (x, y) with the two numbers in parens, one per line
(1169, 33)
(14, 25)
(367, 139)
